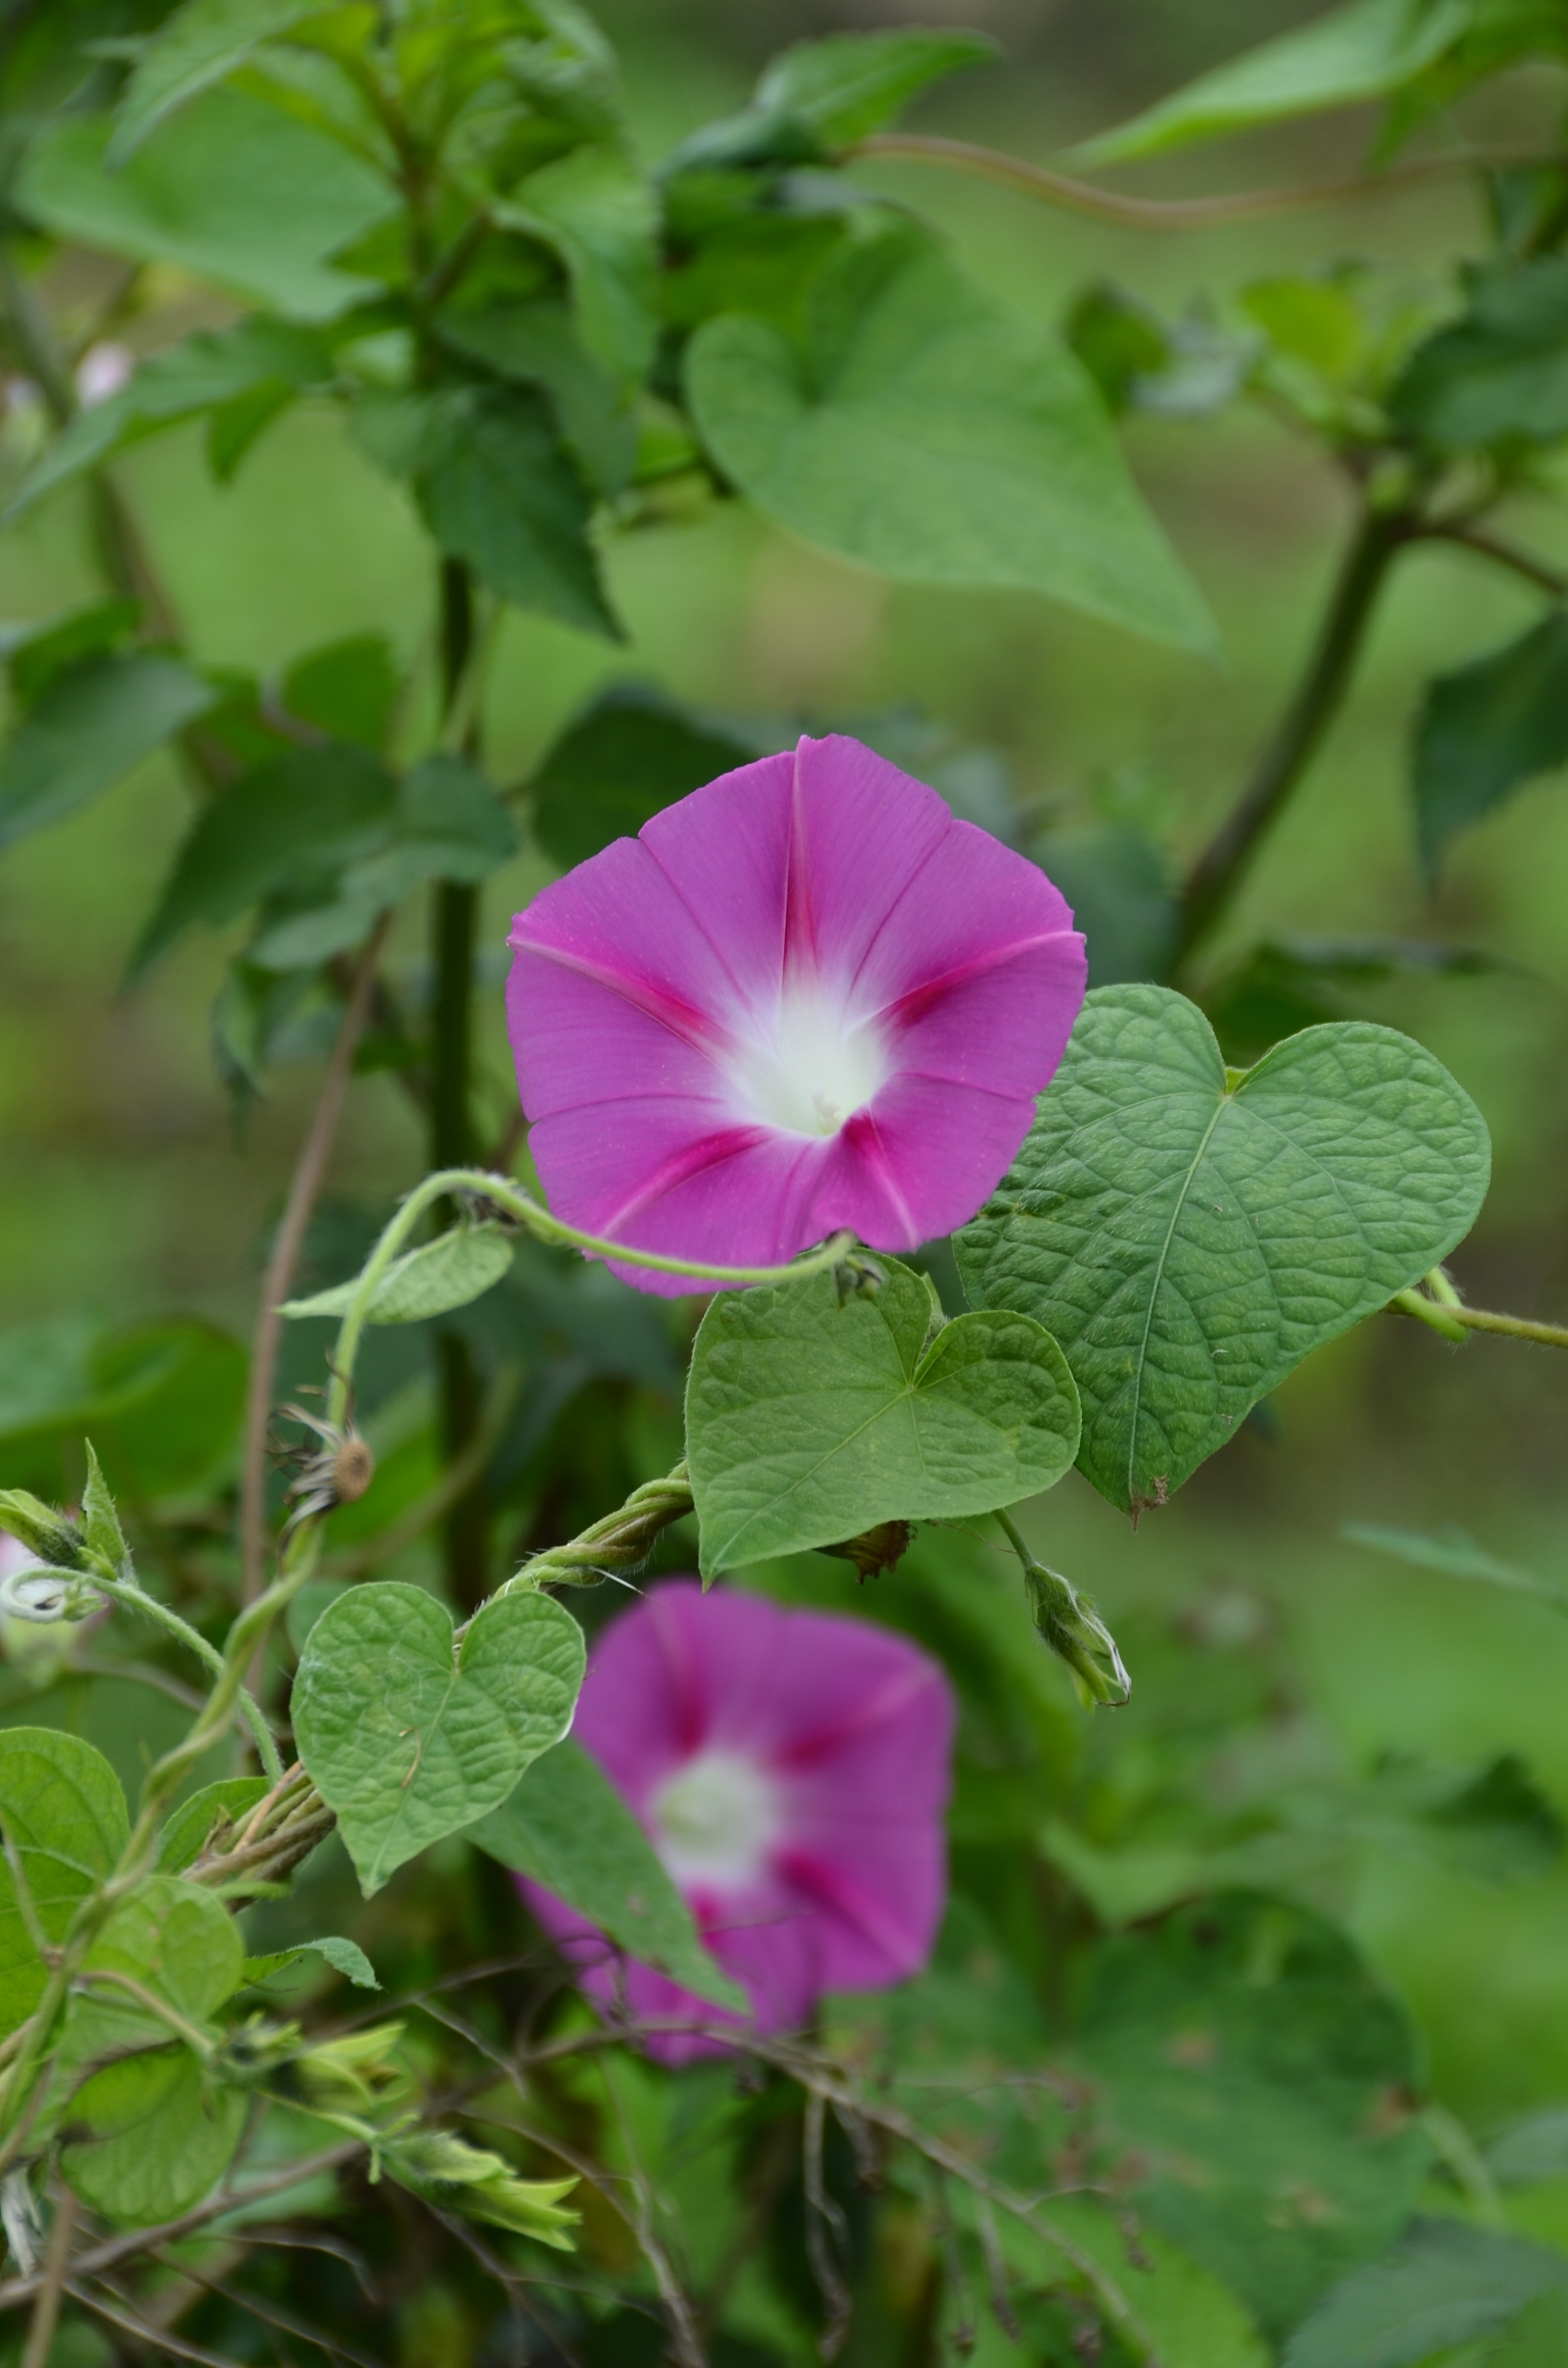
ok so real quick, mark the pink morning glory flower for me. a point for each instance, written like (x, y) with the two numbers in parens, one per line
(804, 998)
(792, 1769)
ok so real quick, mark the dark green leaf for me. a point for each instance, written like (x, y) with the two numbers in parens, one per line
(1288, 983)
(1445, 2284)
(314, 807)
(232, 188)
(166, 2137)
(626, 757)
(206, 372)
(1341, 59)
(566, 1827)
(1497, 1825)
(409, 1737)
(215, 1807)
(89, 728)
(36, 653)
(160, 1400)
(63, 1812)
(1500, 376)
(1487, 729)
(347, 689)
(600, 214)
(459, 1266)
(537, 344)
(1190, 1237)
(196, 46)
(930, 432)
(1119, 885)
(808, 1420)
(1246, 2058)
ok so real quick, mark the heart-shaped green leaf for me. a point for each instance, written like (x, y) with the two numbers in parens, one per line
(408, 1736)
(808, 1421)
(1190, 1236)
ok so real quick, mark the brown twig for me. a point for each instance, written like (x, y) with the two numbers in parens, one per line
(1170, 213)
(57, 2263)
(1496, 547)
(309, 1169)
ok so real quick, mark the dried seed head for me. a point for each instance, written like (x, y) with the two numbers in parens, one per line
(353, 1468)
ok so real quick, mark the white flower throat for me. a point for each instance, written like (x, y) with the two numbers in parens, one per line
(813, 1066)
(716, 1819)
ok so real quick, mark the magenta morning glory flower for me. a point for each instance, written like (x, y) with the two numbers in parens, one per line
(803, 997)
(791, 1769)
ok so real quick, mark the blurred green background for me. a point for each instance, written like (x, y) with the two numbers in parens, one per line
(123, 1190)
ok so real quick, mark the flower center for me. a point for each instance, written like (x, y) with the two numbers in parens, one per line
(715, 1820)
(815, 1068)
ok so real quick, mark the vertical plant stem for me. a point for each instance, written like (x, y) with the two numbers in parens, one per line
(41, 2332)
(303, 1188)
(454, 929)
(1220, 871)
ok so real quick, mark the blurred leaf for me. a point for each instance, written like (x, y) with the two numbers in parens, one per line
(232, 188)
(1485, 730)
(567, 1828)
(1532, 2150)
(1445, 2284)
(89, 728)
(345, 1957)
(1499, 375)
(1190, 1237)
(928, 431)
(165, 2137)
(348, 689)
(1254, 2087)
(409, 1740)
(459, 1264)
(497, 491)
(64, 1814)
(1538, 2337)
(189, 1829)
(36, 653)
(204, 373)
(1455, 1557)
(821, 96)
(537, 344)
(1340, 59)
(1119, 885)
(600, 214)
(628, 756)
(161, 1400)
(1288, 983)
(1496, 1825)
(314, 807)
(196, 46)
(1187, 2315)
(808, 1420)
(1119, 340)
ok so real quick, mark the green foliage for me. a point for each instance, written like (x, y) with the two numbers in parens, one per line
(1364, 51)
(822, 96)
(409, 1736)
(1485, 730)
(482, 2186)
(626, 757)
(200, 44)
(566, 1827)
(215, 1809)
(923, 428)
(1499, 376)
(164, 2136)
(457, 1266)
(345, 1957)
(92, 724)
(1445, 2284)
(62, 1814)
(810, 1418)
(1190, 1236)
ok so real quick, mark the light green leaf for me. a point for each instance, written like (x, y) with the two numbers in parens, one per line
(231, 188)
(567, 1827)
(1444, 2285)
(214, 368)
(191, 1825)
(89, 728)
(928, 431)
(195, 47)
(100, 1529)
(630, 754)
(849, 84)
(315, 807)
(1188, 2317)
(1487, 729)
(345, 1957)
(459, 1266)
(1532, 2150)
(62, 1811)
(1455, 1557)
(166, 2137)
(1339, 59)
(808, 1421)
(409, 1737)
(599, 214)
(178, 1941)
(1245, 2064)
(1189, 1238)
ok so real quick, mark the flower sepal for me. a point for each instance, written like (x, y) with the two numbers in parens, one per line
(1069, 1624)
